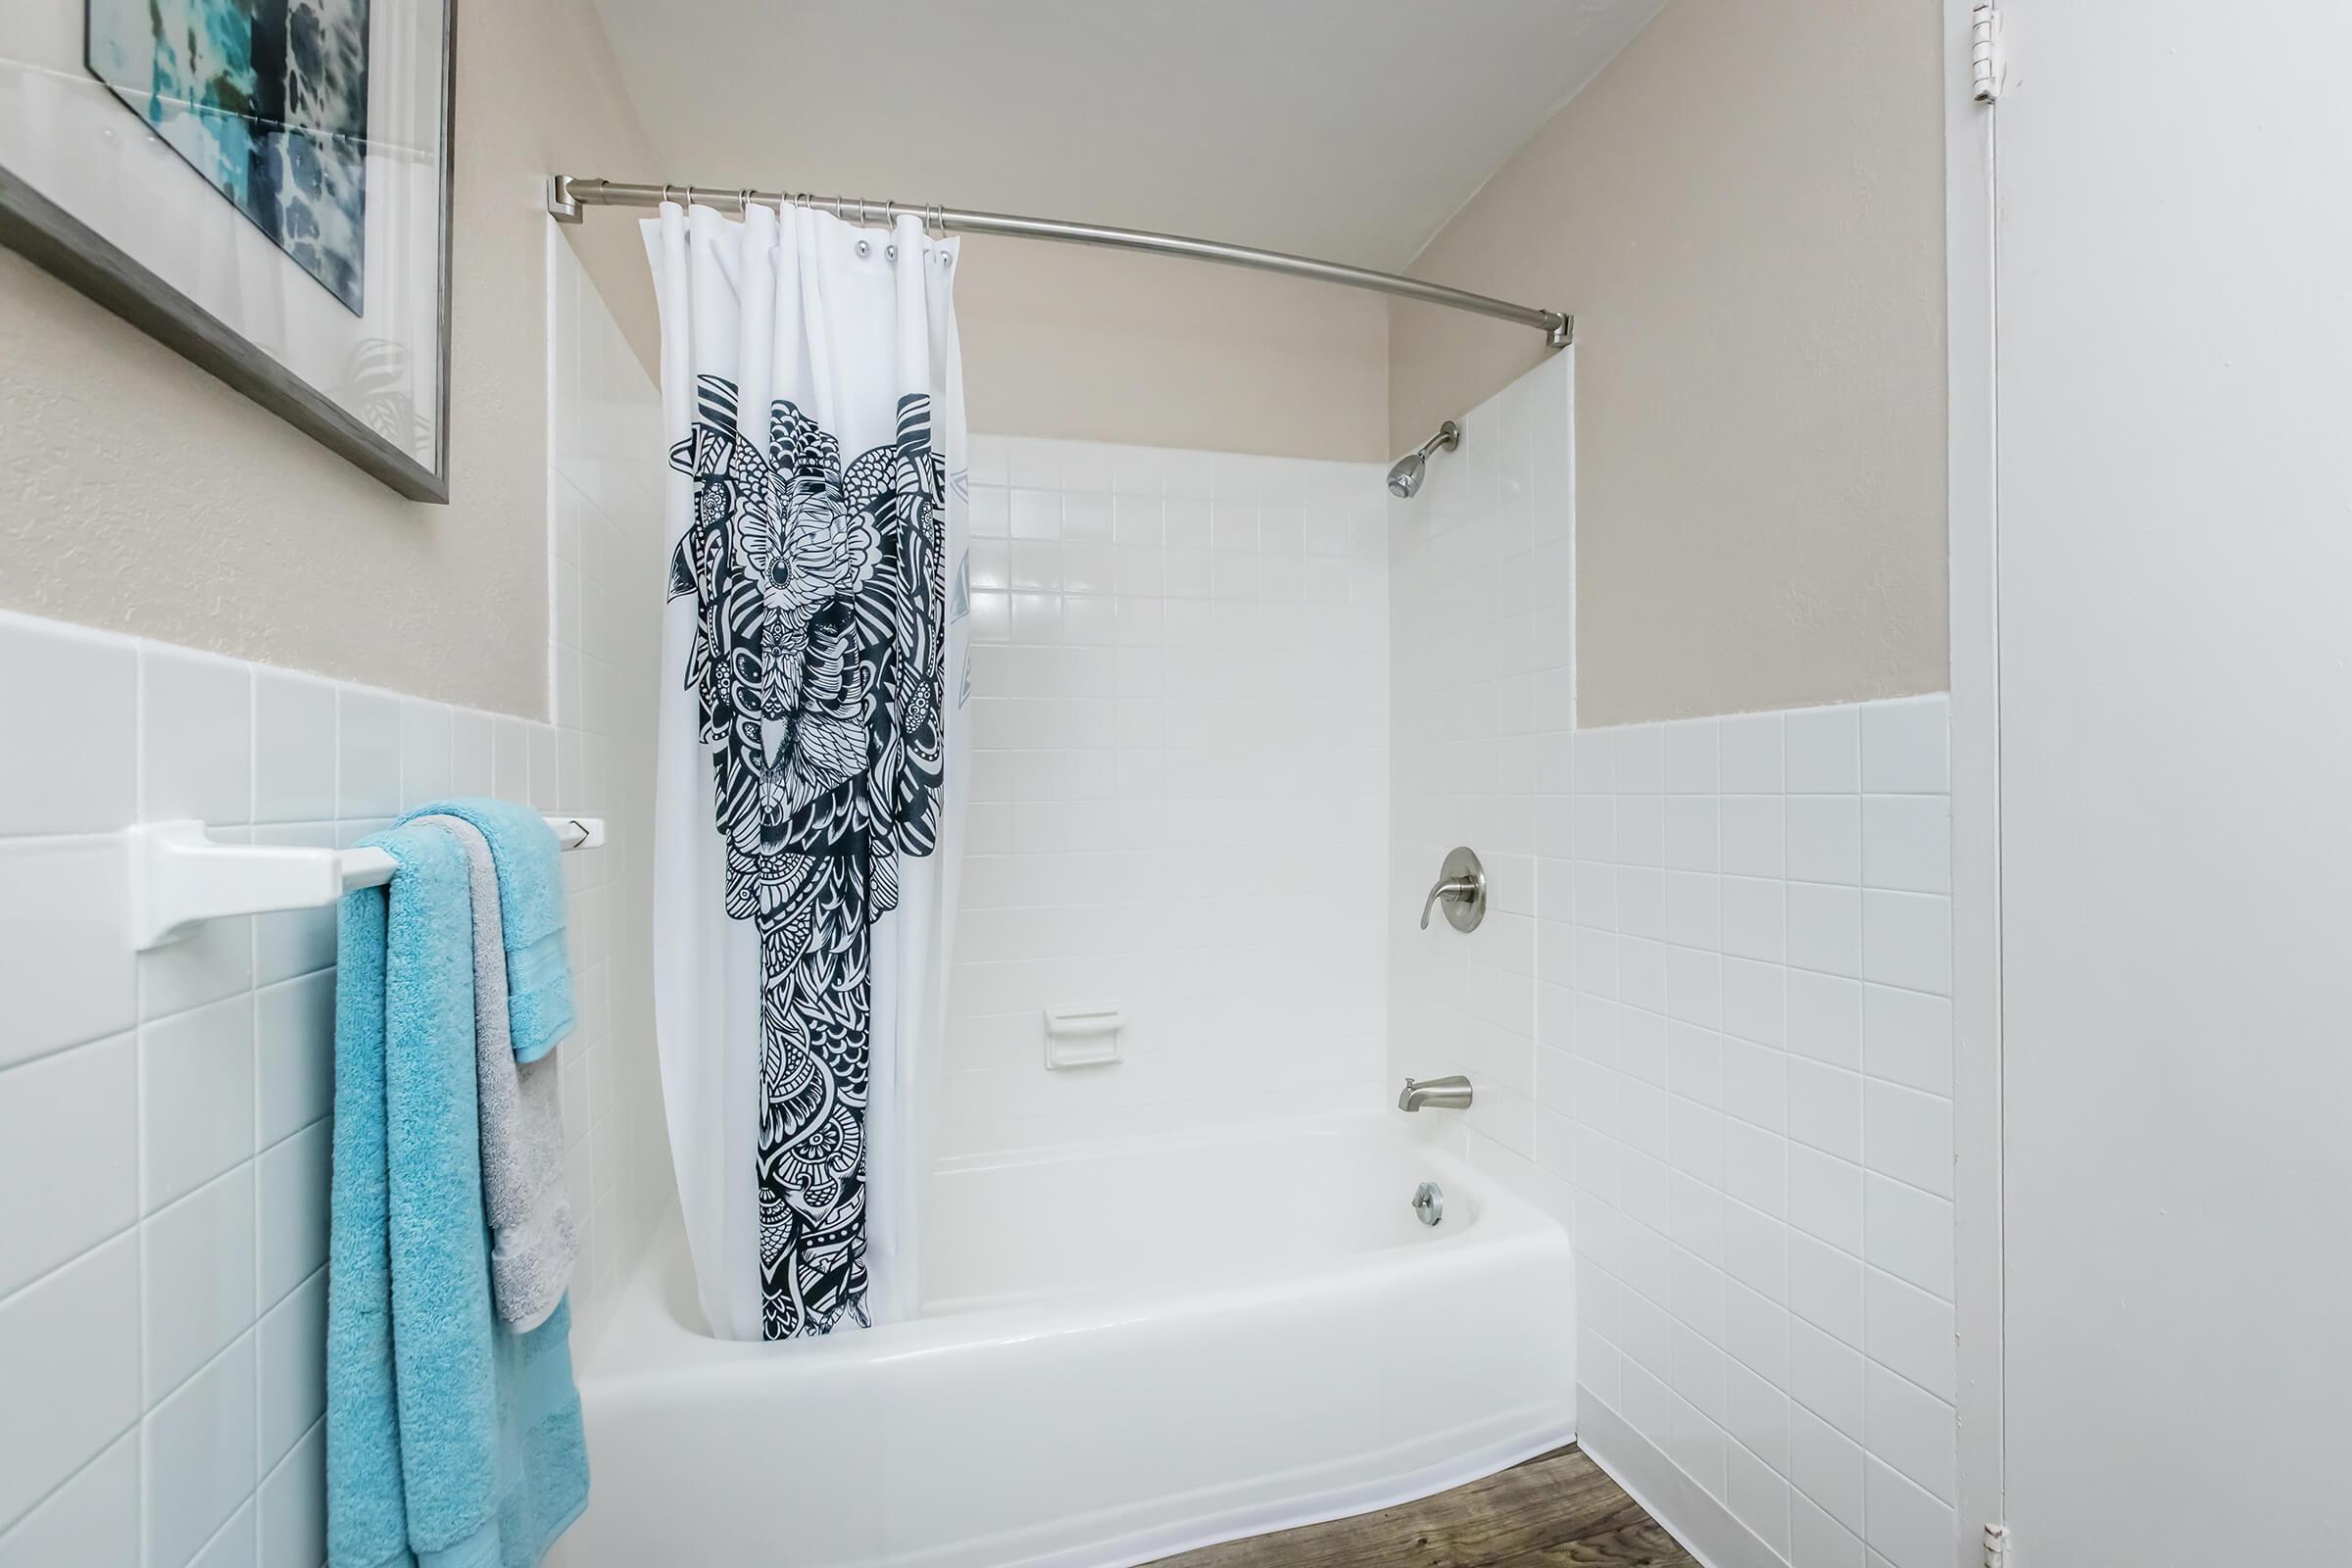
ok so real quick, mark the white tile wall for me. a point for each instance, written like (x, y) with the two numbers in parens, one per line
(1483, 599)
(1707, 1016)
(1757, 1150)
(1179, 788)
(162, 1305)
(163, 1126)
(607, 571)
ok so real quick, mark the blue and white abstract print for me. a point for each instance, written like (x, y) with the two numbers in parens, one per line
(268, 100)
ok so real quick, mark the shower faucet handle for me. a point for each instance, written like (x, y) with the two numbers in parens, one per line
(1461, 887)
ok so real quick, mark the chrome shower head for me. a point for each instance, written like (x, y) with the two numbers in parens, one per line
(1410, 469)
(1405, 477)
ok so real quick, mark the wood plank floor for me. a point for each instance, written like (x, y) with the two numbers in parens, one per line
(1556, 1510)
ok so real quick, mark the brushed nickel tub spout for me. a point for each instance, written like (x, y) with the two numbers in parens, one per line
(1446, 1094)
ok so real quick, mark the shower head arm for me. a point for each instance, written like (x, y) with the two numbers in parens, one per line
(1448, 438)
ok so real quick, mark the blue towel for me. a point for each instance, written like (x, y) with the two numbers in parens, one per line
(530, 901)
(451, 1441)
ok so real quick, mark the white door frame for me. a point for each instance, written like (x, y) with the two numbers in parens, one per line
(1974, 521)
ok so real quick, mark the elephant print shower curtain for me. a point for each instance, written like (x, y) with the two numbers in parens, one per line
(807, 776)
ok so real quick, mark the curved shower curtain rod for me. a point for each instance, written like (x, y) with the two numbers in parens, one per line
(567, 195)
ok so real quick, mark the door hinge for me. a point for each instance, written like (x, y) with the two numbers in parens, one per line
(1996, 1547)
(1985, 65)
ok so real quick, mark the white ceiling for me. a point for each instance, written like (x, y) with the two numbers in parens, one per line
(1349, 130)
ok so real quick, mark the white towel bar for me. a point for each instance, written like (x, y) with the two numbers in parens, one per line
(179, 878)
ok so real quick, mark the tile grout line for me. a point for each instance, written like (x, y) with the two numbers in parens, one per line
(1862, 1448)
(253, 944)
(1794, 1316)
(146, 1524)
(132, 1432)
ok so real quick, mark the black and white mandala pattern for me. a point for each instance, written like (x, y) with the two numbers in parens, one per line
(818, 663)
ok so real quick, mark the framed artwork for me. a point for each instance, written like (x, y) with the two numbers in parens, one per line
(264, 186)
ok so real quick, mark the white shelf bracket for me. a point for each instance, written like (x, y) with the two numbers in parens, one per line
(181, 877)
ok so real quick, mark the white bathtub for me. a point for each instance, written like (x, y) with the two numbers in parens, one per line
(1126, 1351)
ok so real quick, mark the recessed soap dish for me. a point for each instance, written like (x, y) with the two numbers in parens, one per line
(1084, 1035)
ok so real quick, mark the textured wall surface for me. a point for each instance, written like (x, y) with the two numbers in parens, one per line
(1105, 346)
(142, 495)
(1744, 211)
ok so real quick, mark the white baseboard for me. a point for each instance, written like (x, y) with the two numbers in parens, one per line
(1707, 1529)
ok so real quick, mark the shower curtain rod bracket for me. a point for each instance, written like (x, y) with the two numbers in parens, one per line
(567, 195)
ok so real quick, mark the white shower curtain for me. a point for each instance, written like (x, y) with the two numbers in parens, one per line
(809, 777)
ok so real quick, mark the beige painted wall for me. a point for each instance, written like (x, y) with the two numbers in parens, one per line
(139, 494)
(1744, 211)
(1110, 346)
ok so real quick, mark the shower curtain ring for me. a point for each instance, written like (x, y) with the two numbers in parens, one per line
(690, 195)
(665, 192)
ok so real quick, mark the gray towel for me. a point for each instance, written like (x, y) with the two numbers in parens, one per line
(533, 1241)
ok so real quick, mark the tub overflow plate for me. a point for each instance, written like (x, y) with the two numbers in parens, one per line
(1429, 1203)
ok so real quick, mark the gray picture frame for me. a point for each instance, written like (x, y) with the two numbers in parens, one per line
(55, 240)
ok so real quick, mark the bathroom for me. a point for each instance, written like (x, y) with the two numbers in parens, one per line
(1527, 883)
